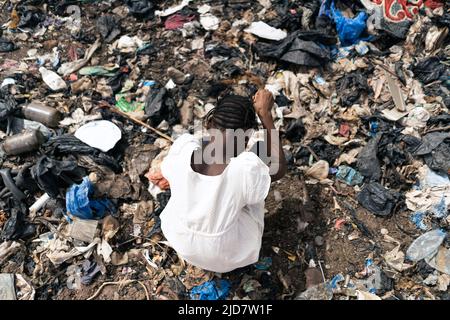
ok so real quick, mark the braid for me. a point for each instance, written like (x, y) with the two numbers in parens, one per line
(232, 112)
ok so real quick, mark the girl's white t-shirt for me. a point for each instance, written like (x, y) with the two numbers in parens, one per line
(214, 222)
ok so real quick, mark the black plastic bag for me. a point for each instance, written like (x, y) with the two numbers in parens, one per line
(368, 163)
(108, 27)
(141, 8)
(90, 271)
(162, 198)
(69, 144)
(439, 158)
(229, 68)
(289, 17)
(30, 16)
(351, 87)
(306, 53)
(411, 142)
(389, 148)
(52, 175)
(301, 48)
(159, 106)
(222, 50)
(377, 199)
(6, 45)
(430, 69)
(295, 131)
(321, 148)
(443, 119)
(430, 142)
(16, 228)
(7, 104)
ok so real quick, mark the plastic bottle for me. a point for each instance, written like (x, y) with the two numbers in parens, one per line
(426, 245)
(23, 142)
(53, 80)
(41, 113)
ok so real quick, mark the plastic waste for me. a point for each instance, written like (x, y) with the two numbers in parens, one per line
(159, 106)
(418, 219)
(15, 227)
(70, 67)
(141, 8)
(108, 26)
(101, 134)
(430, 142)
(89, 271)
(128, 106)
(363, 295)
(176, 75)
(396, 259)
(35, 207)
(23, 142)
(19, 125)
(98, 71)
(7, 45)
(30, 16)
(80, 204)
(321, 291)
(211, 290)
(318, 170)
(177, 21)
(10, 184)
(349, 30)
(53, 175)
(368, 163)
(430, 69)
(73, 22)
(264, 263)
(209, 21)
(349, 175)
(39, 112)
(377, 199)
(52, 79)
(127, 44)
(441, 261)
(173, 9)
(7, 82)
(426, 245)
(263, 30)
(83, 230)
(7, 288)
(352, 87)
(67, 144)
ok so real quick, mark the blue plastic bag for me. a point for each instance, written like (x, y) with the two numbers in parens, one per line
(349, 30)
(211, 291)
(349, 175)
(79, 205)
(264, 263)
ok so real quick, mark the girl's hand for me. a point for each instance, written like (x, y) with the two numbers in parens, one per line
(263, 102)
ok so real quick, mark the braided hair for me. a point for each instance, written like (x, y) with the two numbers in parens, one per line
(232, 112)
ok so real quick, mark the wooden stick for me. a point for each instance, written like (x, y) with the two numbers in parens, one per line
(383, 67)
(125, 115)
(121, 283)
(438, 129)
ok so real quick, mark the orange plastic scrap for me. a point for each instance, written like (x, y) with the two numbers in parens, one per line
(158, 179)
(339, 223)
(14, 20)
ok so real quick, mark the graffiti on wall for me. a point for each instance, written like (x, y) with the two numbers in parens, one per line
(400, 10)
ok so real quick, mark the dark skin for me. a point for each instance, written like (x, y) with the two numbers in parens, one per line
(263, 103)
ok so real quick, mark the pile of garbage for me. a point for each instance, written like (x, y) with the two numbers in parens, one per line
(93, 93)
